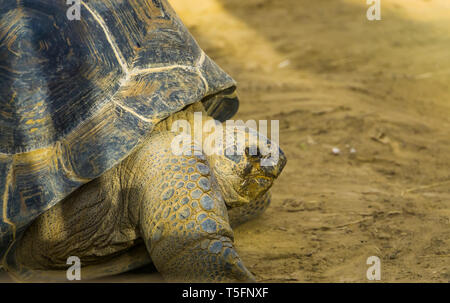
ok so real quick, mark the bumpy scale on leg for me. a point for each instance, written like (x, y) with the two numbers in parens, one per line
(183, 217)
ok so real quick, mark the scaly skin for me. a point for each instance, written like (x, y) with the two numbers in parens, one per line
(184, 218)
(173, 204)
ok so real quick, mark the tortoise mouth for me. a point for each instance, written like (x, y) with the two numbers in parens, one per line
(231, 194)
(240, 192)
(255, 186)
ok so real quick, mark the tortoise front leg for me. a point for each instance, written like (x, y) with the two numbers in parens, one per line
(183, 218)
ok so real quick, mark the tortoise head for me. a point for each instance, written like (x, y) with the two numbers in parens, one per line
(248, 167)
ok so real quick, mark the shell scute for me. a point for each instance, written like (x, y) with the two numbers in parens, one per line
(77, 97)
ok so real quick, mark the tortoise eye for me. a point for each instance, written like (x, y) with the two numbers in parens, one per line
(253, 152)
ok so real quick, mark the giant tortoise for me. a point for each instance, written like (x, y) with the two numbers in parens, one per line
(87, 167)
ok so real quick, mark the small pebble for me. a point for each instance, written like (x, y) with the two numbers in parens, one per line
(284, 64)
(335, 151)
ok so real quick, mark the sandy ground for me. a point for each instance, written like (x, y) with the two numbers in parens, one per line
(380, 92)
(334, 79)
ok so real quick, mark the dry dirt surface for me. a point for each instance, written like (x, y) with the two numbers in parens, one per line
(380, 93)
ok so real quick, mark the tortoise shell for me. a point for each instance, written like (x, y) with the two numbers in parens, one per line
(77, 97)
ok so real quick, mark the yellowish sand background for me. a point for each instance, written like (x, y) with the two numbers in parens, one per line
(334, 79)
